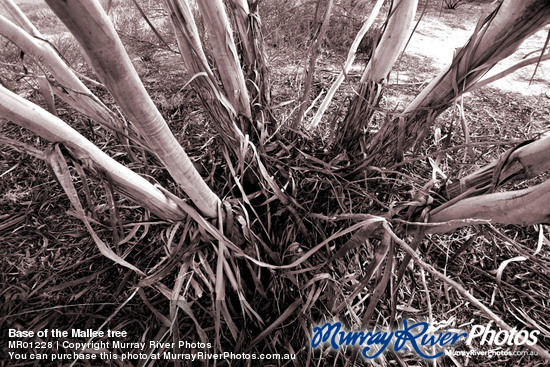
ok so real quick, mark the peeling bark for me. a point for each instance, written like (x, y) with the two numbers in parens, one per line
(496, 37)
(364, 104)
(522, 207)
(520, 163)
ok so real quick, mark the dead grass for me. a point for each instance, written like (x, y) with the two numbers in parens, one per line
(52, 275)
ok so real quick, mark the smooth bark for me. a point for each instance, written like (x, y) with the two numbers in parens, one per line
(51, 128)
(97, 37)
(19, 17)
(66, 86)
(497, 36)
(522, 207)
(225, 54)
(392, 43)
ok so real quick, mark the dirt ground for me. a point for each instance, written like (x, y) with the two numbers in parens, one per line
(49, 260)
(442, 31)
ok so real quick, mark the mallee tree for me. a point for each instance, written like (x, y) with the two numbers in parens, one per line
(268, 235)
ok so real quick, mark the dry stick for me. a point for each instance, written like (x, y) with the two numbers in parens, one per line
(144, 16)
(540, 58)
(460, 289)
(285, 315)
(182, 303)
(224, 51)
(380, 254)
(347, 66)
(428, 301)
(465, 129)
(60, 167)
(508, 71)
(453, 148)
(418, 236)
(21, 147)
(381, 286)
(120, 307)
(315, 48)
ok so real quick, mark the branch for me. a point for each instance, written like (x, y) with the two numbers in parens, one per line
(315, 48)
(460, 289)
(522, 162)
(51, 128)
(521, 207)
(96, 35)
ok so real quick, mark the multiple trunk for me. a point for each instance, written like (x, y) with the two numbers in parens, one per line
(97, 37)
(496, 37)
(51, 128)
(238, 103)
(203, 81)
(251, 48)
(237, 100)
(391, 45)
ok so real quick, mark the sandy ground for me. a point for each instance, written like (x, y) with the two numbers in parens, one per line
(441, 32)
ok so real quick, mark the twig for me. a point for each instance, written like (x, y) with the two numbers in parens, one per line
(460, 289)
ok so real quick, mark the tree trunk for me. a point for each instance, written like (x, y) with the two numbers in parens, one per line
(364, 104)
(251, 47)
(51, 128)
(98, 39)
(522, 207)
(225, 55)
(495, 38)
